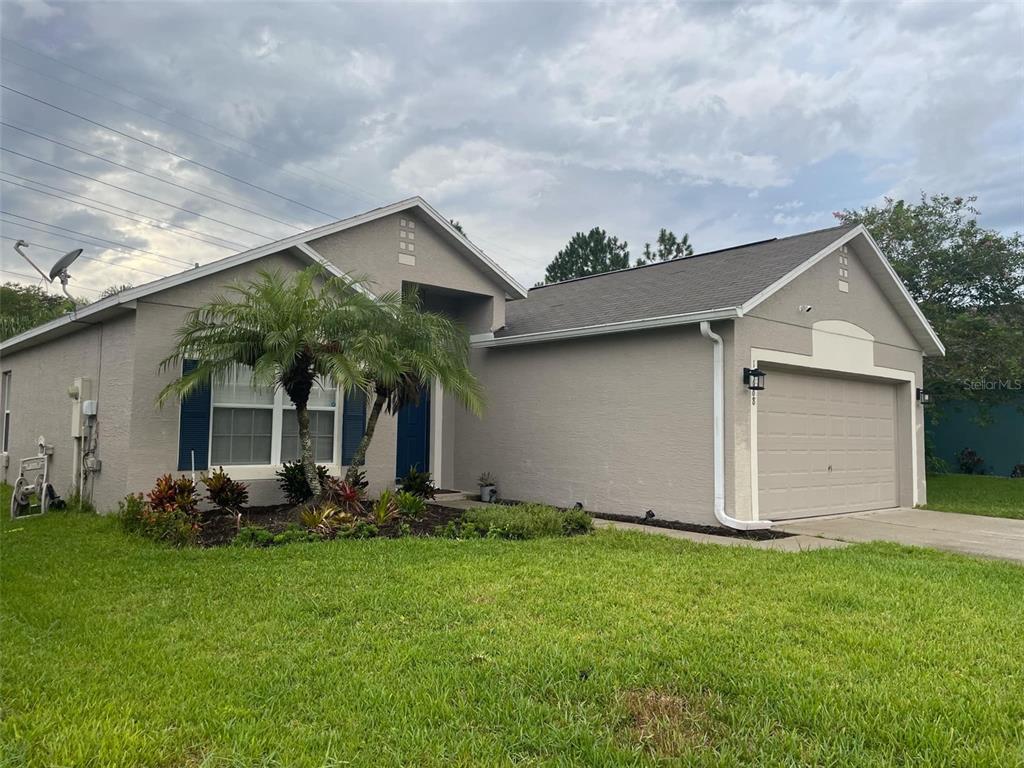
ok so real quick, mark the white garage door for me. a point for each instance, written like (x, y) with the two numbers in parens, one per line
(824, 445)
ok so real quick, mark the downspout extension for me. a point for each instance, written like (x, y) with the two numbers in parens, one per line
(718, 408)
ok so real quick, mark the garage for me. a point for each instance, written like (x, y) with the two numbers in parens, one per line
(825, 445)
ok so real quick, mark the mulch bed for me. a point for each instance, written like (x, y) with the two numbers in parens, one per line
(220, 530)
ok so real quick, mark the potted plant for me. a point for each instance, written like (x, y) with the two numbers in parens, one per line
(488, 487)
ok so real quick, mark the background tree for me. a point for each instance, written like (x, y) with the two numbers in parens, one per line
(23, 307)
(588, 254)
(290, 331)
(669, 246)
(969, 282)
(113, 290)
(407, 350)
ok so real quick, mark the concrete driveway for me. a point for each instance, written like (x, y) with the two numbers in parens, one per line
(966, 534)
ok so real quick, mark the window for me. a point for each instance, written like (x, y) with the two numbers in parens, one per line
(322, 404)
(258, 426)
(5, 408)
(243, 421)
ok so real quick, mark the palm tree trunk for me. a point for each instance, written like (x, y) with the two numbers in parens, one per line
(306, 450)
(359, 457)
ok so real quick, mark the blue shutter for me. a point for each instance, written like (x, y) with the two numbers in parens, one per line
(353, 424)
(194, 426)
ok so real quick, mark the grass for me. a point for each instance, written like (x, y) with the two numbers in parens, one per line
(977, 495)
(610, 649)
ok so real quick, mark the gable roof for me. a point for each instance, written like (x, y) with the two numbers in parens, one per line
(711, 286)
(295, 244)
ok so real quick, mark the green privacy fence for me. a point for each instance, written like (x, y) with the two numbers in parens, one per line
(1000, 441)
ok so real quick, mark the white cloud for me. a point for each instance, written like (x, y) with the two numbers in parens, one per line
(472, 168)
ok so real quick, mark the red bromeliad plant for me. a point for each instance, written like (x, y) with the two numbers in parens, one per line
(349, 498)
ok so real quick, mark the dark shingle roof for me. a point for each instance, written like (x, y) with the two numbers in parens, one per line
(715, 280)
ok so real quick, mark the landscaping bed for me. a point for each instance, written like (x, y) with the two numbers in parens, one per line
(221, 529)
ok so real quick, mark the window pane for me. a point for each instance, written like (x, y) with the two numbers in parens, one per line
(323, 395)
(261, 450)
(321, 429)
(220, 452)
(241, 435)
(237, 388)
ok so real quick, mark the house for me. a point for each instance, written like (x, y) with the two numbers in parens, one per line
(626, 392)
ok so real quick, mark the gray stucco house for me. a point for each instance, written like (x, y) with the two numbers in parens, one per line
(625, 391)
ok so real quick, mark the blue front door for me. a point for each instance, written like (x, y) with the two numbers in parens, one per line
(414, 436)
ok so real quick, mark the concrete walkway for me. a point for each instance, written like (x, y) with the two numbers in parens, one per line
(966, 534)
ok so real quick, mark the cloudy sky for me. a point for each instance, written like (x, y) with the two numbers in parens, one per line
(156, 135)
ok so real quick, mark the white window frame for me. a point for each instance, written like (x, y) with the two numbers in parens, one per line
(280, 404)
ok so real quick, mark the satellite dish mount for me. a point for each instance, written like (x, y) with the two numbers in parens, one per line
(58, 271)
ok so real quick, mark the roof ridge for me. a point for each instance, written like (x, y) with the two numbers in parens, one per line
(687, 258)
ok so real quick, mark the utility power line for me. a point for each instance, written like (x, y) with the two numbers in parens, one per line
(139, 194)
(124, 215)
(334, 181)
(38, 279)
(170, 152)
(118, 246)
(190, 190)
(120, 266)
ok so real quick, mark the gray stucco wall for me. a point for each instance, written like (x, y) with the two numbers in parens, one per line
(621, 423)
(778, 324)
(371, 249)
(139, 441)
(40, 404)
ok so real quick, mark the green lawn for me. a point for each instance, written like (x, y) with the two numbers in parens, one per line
(977, 495)
(611, 649)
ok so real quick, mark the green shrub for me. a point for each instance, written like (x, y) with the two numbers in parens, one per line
(360, 529)
(384, 509)
(418, 483)
(169, 513)
(258, 536)
(410, 506)
(522, 521)
(325, 519)
(292, 480)
(225, 493)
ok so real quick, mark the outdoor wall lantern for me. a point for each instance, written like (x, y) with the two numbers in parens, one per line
(754, 379)
(924, 397)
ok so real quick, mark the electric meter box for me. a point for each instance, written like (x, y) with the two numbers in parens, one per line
(89, 408)
(79, 392)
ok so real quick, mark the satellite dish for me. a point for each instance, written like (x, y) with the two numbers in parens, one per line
(59, 271)
(63, 263)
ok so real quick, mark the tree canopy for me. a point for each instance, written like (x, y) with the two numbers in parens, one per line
(23, 307)
(597, 251)
(668, 246)
(969, 282)
(588, 254)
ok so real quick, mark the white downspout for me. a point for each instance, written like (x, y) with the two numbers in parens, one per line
(718, 407)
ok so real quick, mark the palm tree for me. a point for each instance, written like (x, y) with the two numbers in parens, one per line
(290, 331)
(409, 350)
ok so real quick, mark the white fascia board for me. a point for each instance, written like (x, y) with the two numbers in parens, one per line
(510, 282)
(858, 231)
(906, 294)
(300, 242)
(624, 326)
(793, 274)
(307, 250)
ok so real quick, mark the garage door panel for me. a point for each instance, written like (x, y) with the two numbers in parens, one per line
(825, 445)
